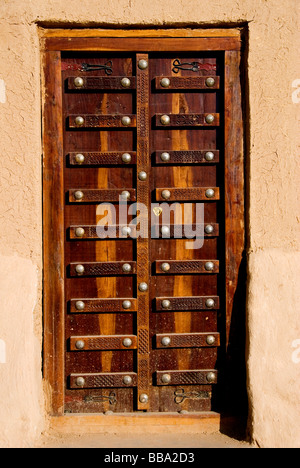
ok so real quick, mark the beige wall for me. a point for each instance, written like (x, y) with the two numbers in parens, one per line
(273, 348)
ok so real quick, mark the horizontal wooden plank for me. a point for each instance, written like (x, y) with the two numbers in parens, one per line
(141, 43)
(155, 32)
(187, 120)
(187, 303)
(188, 194)
(187, 157)
(83, 121)
(175, 267)
(101, 83)
(116, 379)
(102, 268)
(186, 83)
(102, 342)
(96, 305)
(107, 158)
(187, 340)
(186, 377)
(95, 195)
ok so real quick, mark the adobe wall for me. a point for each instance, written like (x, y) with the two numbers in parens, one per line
(272, 172)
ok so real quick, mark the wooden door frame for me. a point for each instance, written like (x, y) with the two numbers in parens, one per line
(55, 41)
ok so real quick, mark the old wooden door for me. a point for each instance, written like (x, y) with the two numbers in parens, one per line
(143, 220)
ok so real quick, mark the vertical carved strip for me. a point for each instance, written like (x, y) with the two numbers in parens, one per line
(143, 274)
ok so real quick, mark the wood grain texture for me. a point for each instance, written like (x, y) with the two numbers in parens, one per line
(114, 44)
(53, 202)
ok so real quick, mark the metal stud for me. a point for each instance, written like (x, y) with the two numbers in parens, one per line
(79, 121)
(80, 381)
(79, 269)
(142, 175)
(209, 193)
(126, 120)
(79, 305)
(165, 119)
(143, 287)
(209, 82)
(125, 195)
(126, 157)
(144, 398)
(79, 232)
(209, 156)
(143, 64)
(79, 158)
(210, 339)
(165, 82)
(165, 157)
(127, 380)
(126, 231)
(126, 304)
(210, 303)
(126, 267)
(125, 82)
(166, 378)
(209, 229)
(209, 266)
(165, 303)
(79, 344)
(211, 377)
(127, 342)
(209, 118)
(165, 267)
(78, 82)
(165, 341)
(165, 231)
(166, 194)
(78, 195)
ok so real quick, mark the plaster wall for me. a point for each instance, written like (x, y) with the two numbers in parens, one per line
(272, 174)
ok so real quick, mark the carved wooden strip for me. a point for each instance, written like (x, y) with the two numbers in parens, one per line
(187, 194)
(101, 82)
(101, 121)
(186, 377)
(102, 268)
(84, 305)
(102, 380)
(187, 82)
(183, 231)
(188, 120)
(142, 244)
(187, 303)
(95, 196)
(186, 266)
(112, 231)
(97, 159)
(188, 340)
(187, 157)
(101, 342)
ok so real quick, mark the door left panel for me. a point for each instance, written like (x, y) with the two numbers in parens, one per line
(96, 323)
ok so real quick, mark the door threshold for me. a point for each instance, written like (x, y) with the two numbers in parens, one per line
(150, 423)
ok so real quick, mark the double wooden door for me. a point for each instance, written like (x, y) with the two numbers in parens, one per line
(149, 143)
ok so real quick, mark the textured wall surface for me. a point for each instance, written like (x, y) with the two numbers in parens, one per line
(272, 173)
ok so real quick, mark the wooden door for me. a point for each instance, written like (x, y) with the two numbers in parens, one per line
(143, 222)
